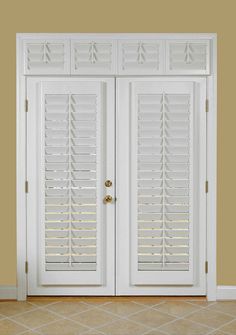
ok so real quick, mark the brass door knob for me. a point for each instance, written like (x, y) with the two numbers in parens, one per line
(108, 183)
(107, 199)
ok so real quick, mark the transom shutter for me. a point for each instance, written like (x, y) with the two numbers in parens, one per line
(161, 182)
(93, 57)
(141, 57)
(46, 57)
(188, 57)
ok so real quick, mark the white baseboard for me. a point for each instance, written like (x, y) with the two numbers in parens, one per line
(226, 293)
(222, 292)
(8, 292)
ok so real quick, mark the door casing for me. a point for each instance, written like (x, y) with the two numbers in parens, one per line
(211, 168)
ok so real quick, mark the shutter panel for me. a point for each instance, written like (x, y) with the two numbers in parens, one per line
(70, 229)
(140, 57)
(71, 178)
(161, 207)
(93, 57)
(47, 57)
(188, 57)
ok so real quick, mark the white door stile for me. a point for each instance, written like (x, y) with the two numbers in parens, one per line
(40, 281)
(129, 281)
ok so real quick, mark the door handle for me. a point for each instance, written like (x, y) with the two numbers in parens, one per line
(107, 199)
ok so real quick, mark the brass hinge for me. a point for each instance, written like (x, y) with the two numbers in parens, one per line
(26, 105)
(206, 186)
(206, 267)
(26, 187)
(26, 267)
(207, 105)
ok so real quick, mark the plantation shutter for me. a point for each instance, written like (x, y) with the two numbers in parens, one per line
(46, 57)
(93, 56)
(140, 57)
(161, 180)
(161, 207)
(188, 57)
(74, 229)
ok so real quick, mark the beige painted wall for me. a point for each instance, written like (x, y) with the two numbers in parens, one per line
(121, 16)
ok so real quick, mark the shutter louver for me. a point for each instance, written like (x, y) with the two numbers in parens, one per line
(188, 57)
(163, 182)
(70, 186)
(46, 57)
(93, 57)
(139, 57)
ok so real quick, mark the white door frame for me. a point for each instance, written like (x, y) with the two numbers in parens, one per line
(21, 137)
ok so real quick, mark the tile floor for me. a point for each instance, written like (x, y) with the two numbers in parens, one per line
(117, 316)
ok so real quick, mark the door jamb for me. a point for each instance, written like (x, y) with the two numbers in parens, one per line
(21, 156)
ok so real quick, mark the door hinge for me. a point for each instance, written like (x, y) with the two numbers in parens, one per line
(26, 105)
(26, 187)
(206, 186)
(26, 267)
(206, 267)
(207, 105)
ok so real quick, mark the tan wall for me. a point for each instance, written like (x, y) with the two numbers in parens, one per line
(121, 16)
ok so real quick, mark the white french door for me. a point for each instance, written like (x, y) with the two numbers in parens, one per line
(70, 142)
(157, 245)
(161, 173)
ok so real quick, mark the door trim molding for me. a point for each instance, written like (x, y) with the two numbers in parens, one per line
(21, 155)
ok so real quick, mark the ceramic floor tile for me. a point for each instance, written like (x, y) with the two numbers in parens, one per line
(15, 307)
(184, 327)
(210, 318)
(35, 318)
(155, 332)
(68, 308)
(123, 327)
(202, 303)
(31, 332)
(96, 300)
(62, 327)
(122, 308)
(93, 332)
(43, 302)
(218, 332)
(229, 328)
(225, 307)
(94, 318)
(151, 318)
(9, 327)
(177, 308)
(149, 301)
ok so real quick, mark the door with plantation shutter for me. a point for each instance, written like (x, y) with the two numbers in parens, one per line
(161, 223)
(70, 229)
